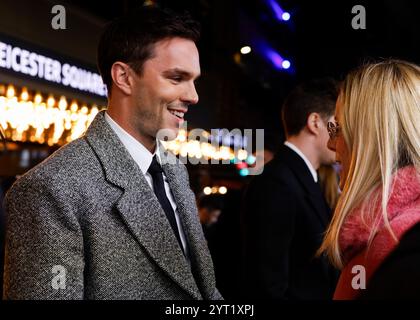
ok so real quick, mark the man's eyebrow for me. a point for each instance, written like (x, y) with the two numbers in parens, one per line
(179, 72)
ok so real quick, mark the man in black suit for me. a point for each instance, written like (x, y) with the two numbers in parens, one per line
(285, 212)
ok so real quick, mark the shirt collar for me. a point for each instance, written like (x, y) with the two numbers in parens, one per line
(136, 149)
(308, 163)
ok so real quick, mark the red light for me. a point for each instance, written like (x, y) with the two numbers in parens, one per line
(241, 165)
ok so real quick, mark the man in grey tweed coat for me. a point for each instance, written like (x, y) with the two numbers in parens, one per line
(88, 223)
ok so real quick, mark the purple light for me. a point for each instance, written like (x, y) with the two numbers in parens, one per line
(278, 11)
(271, 55)
(275, 58)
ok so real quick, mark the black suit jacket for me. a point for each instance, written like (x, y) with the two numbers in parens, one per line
(285, 216)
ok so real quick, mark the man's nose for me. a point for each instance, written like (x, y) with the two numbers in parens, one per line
(191, 95)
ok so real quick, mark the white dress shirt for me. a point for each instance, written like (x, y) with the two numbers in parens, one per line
(144, 158)
(308, 163)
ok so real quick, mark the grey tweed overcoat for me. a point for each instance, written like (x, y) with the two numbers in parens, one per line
(85, 224)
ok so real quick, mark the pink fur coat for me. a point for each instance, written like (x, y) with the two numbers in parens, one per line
(403, 213)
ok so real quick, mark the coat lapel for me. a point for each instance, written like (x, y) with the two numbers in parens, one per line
(313, 191)
(138, 206)
(186, 206)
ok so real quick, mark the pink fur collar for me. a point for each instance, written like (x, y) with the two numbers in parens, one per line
(403, 211)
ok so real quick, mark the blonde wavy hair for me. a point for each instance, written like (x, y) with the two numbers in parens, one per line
(380, 123)
(328, 180)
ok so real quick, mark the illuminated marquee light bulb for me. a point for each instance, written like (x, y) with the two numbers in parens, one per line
(207, 190)
(181, 138)
(222, 190)
(62, 103)
(50, 102)
(10, 93)
(94, 109)
(242, 154)
(84, 110)
(38, 98)
(225, 153)
(74, 106)
(195, 150)
(24, 94)
(182, 133)
(184, 150)
(67, 125)
(36, 121)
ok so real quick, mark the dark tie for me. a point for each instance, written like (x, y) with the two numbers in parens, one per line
(155, 171)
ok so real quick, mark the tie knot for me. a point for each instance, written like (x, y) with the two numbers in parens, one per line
(155, 167)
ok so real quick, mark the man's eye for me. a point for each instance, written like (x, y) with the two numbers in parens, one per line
(176, 79)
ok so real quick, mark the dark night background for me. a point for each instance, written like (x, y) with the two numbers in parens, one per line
(318, 40)
(236, 91)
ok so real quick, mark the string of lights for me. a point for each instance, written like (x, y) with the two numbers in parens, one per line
(45, 119)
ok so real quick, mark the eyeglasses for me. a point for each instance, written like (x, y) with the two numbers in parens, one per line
(333, 129)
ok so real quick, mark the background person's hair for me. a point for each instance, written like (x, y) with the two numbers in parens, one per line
(131, 38)
(380, 123)
(328, 181)
(318, 95)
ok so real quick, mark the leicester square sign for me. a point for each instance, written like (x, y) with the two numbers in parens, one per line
(24, 61)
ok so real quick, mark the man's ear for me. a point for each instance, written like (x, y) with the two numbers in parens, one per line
(120, 73)
(313, 123)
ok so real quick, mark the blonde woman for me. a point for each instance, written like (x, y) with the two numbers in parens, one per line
(374, 236)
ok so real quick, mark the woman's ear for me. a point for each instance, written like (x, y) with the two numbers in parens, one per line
(120, 73)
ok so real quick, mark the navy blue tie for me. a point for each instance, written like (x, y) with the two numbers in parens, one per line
(155, 171)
